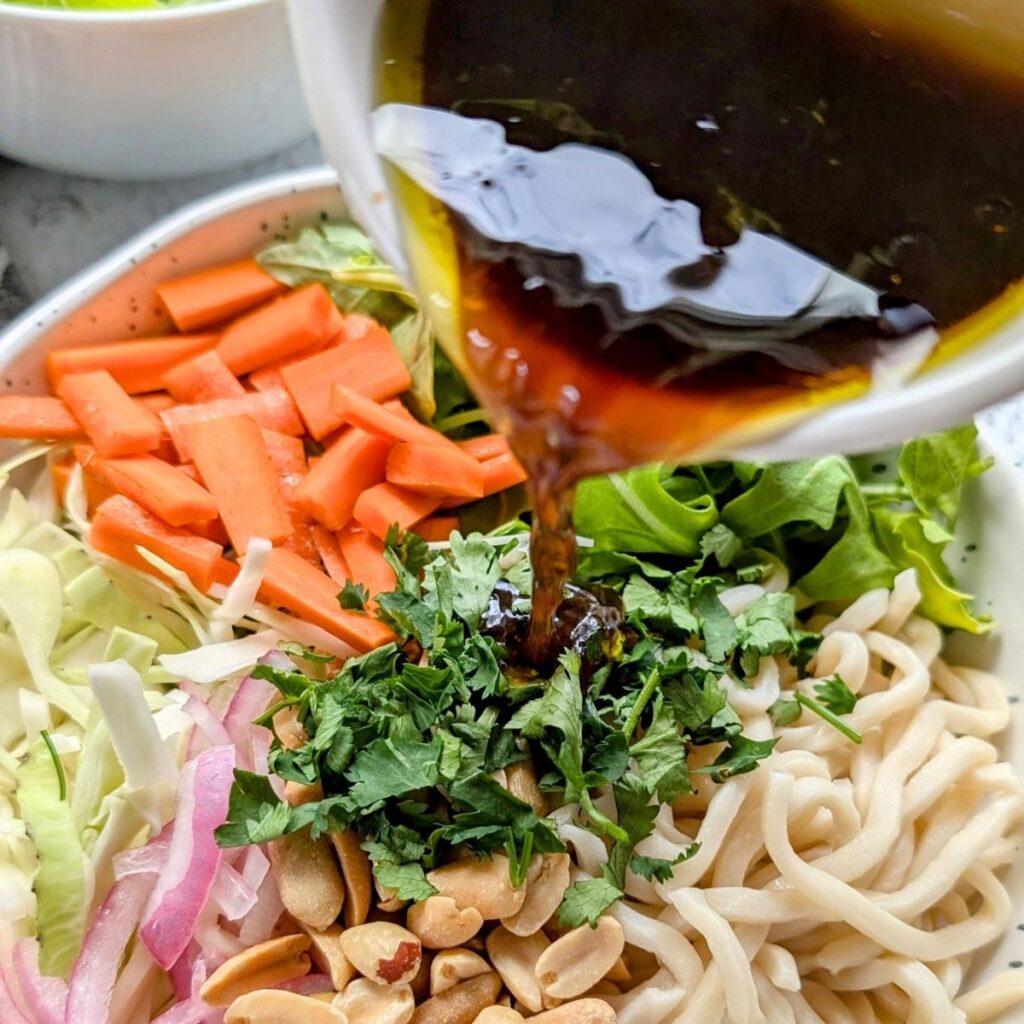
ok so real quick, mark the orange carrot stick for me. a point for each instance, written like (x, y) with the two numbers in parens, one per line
(364, 556)
(489, 446)
(233, 461)
(137, 365)
(292, 583)
(156, 401)
(436, 527)
(440, 472)
(202, 378)
(369, 364)
(160, 488)
(215, 295)
(37, 418)
(354, 463)
(272, 410)
(115, 423)
(303, 318)
(288, 457)
(329, 549)
(502, 472)
(120, 524)
(380, 506)
(366, 414)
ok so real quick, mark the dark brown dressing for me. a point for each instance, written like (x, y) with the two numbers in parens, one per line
(648, 230)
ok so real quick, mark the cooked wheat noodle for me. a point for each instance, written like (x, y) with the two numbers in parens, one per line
(839, 883)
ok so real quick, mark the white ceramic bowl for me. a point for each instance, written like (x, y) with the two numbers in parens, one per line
(148, 94)
(115, 298)
(334, 42)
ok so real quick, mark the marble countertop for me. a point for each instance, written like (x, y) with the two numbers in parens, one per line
(52, 225)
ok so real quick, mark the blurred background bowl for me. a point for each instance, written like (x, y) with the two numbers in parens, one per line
(148, 94)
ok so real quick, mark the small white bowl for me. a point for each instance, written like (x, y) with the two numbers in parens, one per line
(150, 93)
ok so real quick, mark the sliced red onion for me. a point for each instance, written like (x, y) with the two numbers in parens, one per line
(9, 1012)
(255, 866)
(251, 699)
(10, 990)
(46, 998)
(133, 990)
(308, 985)
(212, 727)
(194, 857)
(144, 860)
(232, 894)
(260, 922)
(191, 1011)
(188, 972)
(216, 942)
(95, 970)
(277, 660)
(261, 760)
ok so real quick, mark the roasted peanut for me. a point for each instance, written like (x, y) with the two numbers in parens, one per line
(420, 985)
(461, 1004)
(358, 875)
(484, 885)
(308, 879)
(452, 966)
(274, 1006)
(500, 1015)
(604, 988)
(290, 730)
(296, 793)
(545, 888)
(387, 900)
(579, 1011)
(327, 954)
(383, 952)
(578, 961)
(258, 967)
(522, 783)
(366, 1002)
(619, 971)
(440, 924)
(515, 958)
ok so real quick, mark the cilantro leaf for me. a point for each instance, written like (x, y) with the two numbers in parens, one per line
(785, 712)
(658, 869)
(721, 543)
(717, 625)
(390, 768)
(836, 695)
(256, 814)
(829, 716)
(740, 756)
(475, 572)
(586, 901)
(408, 615)
(409, 880)
(353, 597)
(661, 755)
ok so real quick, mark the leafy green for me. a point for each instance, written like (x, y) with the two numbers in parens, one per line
(828, 715)
(658, 869)
(256, 813)
(740, 756)
(836, 695)
(409, 880)
(353, 597)
(644, 511)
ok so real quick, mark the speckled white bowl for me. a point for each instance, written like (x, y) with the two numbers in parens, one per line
(116, 298)
(148, 94)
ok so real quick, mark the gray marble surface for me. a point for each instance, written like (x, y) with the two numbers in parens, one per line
(52, 225)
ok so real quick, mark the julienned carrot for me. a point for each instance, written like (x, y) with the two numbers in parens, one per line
(137, 365)
(115, 423)
(364, 556)
(156, 401)
(233, 461)
(439, 472)
(329, 549)
(381, 506)
(366, 414)
(490, 446)
(120, 525)
(272, 410)
(436, 528)
(502, 472)
(212, 529)
(288, 457)
(202, 378)
(154, 484)
(294, 584)
(96, 491)
(267, 378)
(215, 295)
(354, 463)
(369, 364)
(37, 418)
(285, 327)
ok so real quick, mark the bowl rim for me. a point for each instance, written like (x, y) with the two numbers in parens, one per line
(12, 10)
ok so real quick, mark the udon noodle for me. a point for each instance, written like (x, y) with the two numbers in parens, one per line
(838, 883)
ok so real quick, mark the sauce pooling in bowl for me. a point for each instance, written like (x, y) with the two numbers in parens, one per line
(647, 231)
